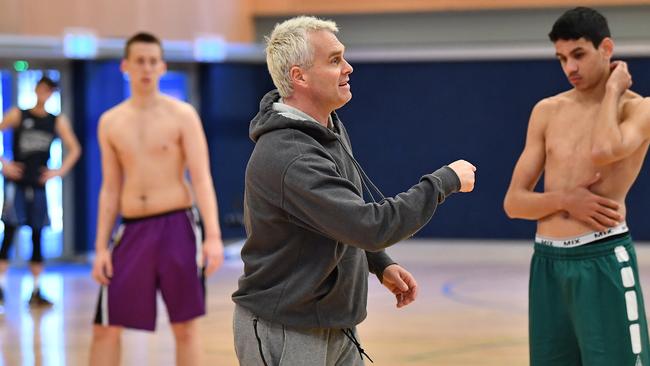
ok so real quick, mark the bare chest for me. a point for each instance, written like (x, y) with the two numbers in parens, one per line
(146, 138)
(568, 138)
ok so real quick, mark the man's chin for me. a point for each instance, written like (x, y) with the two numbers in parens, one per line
(580, 86)
(343, 103)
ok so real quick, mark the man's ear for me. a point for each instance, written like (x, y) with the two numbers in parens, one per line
(607, 46)
(297, 75)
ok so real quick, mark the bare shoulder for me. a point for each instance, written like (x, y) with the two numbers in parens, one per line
(645, 104)
(633, 99)
(181, 115)
(116, 113)
(562, 99)
(549, 106)
(14, 111)
(179, 108)
(634, 104)
(11, 119)
(110, 120)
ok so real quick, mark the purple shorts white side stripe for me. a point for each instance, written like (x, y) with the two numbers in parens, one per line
(151, 254)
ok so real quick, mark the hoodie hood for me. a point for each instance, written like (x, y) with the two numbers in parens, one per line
(268, 119)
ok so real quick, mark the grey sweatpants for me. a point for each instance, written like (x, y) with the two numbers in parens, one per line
(287, 346)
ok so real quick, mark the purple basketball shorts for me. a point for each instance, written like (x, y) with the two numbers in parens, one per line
(161, 252)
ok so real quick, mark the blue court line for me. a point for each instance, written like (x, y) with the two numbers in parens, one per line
(448, 290)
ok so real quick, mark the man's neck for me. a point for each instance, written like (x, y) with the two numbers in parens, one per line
(319, 114)
(144, 99)
(39, 109)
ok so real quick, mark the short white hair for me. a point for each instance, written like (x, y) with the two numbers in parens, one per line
(288, 46)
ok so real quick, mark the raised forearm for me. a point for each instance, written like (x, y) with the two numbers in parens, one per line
(606, 137)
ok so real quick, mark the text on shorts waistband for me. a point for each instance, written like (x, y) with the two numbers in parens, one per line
(582, 239)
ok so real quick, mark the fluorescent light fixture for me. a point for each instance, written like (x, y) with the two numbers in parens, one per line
(80, 43)
(210, 48)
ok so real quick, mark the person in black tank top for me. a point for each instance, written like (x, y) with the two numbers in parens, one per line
(31, 146)
(25, 177)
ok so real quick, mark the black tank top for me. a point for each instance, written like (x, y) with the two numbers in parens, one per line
(31, 145)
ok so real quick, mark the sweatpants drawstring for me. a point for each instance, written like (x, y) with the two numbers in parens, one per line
(350, 334)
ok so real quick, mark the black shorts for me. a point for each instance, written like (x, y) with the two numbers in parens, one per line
(25, 205)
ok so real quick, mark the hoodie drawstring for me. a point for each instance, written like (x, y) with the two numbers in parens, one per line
(365, 180)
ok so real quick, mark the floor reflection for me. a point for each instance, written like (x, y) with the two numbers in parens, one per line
(32, 336)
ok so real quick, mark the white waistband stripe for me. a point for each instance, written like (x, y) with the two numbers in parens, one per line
(582, 239)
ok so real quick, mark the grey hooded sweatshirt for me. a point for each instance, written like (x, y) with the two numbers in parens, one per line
(311, 237)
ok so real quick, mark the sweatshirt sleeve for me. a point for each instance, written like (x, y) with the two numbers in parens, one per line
(315, 194)
(377, 262)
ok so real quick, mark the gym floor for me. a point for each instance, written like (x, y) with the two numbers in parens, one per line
(471, 310)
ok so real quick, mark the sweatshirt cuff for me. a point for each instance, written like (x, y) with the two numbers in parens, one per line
(380, 276)
(377, 262)
(450, 182)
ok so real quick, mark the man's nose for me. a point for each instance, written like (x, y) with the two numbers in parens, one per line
(347, 68)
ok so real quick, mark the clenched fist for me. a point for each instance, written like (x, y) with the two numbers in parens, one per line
(465, 172)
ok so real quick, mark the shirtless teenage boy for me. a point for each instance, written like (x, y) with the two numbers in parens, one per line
(585, 302)
(147, 144)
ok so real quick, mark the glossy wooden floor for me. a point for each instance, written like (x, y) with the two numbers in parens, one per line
(472, 310)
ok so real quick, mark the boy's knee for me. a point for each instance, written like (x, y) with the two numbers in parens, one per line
(106, 334)
(185, 331)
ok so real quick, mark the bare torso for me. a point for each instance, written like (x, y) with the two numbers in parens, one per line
(148, 146)
(568, 160)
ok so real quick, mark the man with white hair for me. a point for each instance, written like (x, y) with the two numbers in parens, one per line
(312, 239)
